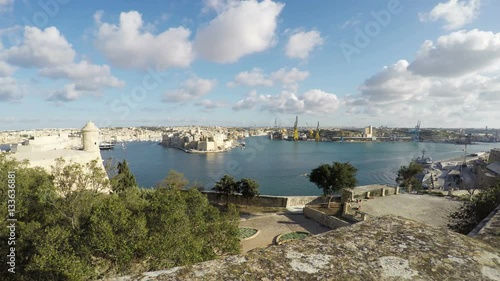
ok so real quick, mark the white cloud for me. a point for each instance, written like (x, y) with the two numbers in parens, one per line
(301, 44)
(313, 102)
(240, 29)
(6, 69)
(210, 105)
(289, 78)
(10, 90)
(459, 53)
(218, 5)
(191, 89)
(69, 93)
(86, 76)
(449, 84)
(128, 45)
(6, 5)
(40, 49)
(456, 13)
(256, 77)
(53, 54)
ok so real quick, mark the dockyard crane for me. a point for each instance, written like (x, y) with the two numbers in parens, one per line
(416, 132)
(311, 132)
(317, 137)
(296, 129)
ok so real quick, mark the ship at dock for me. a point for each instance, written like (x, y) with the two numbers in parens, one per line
(422, 160)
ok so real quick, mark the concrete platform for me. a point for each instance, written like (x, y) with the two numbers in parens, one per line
(431, 210)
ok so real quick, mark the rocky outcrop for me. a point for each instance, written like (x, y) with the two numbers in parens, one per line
(384, 248)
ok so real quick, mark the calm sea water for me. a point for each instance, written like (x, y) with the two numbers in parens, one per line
(279, 166)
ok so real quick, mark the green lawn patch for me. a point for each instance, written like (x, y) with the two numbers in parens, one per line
(246, 232)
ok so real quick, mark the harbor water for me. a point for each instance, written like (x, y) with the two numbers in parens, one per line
(281, 167)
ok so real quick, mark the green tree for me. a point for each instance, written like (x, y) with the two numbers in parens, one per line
(124, 179)
(333, 178)
(249, 188)
(67, 232)
(227, 185)
(174, 180)
(471, 213)
(407, 176)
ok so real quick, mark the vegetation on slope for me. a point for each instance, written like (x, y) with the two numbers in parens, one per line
(65, 231)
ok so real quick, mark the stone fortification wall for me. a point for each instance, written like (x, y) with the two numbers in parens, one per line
(46, 143)
(385, 248)
(264, 200)
(324, 219)
(305, 200)
(494, 155)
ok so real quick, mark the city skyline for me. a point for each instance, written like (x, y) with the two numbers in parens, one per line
(245, 63)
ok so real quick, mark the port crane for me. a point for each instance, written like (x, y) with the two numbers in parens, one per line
(296, 129)
(416, 132)
(317, 137)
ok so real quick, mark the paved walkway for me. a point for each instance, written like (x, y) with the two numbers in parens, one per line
(272, 225)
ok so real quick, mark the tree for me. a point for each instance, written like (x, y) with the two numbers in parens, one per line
(124, 179)
(471, 213)
(75, 233)
(174, 180)
(335, 177)
(227, 185)
(249, 188)
(407, 176)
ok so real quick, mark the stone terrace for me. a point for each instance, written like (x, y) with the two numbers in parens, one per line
(384, 248)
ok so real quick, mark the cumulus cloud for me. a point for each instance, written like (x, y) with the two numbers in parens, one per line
(10, 90)
(256, 77)
(460, 92)
(40, 48)
(193, 88)
(69, 93)
(129, 45)
(301, 44)
(458, 53)
(49, 51)
(86, 76)
(218, 5)
(5, 69)
(210, 105)
(240, 29)
(313, 102)
(289, 78)
(456, 13)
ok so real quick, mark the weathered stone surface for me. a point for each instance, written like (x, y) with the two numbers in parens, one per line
(385, 248)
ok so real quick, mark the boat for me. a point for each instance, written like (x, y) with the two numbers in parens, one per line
(106, 145)
(422, 159)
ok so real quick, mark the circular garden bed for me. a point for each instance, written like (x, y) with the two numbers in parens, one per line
(297, 235)
(248, 233)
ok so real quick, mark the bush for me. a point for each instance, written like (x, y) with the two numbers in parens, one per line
(88, 235)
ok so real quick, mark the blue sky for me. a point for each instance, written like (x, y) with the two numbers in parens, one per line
(245, 63)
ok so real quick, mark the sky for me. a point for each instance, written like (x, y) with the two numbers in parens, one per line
(249, 63)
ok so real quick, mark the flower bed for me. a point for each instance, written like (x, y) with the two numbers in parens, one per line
(247, 233)
(297, 235)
